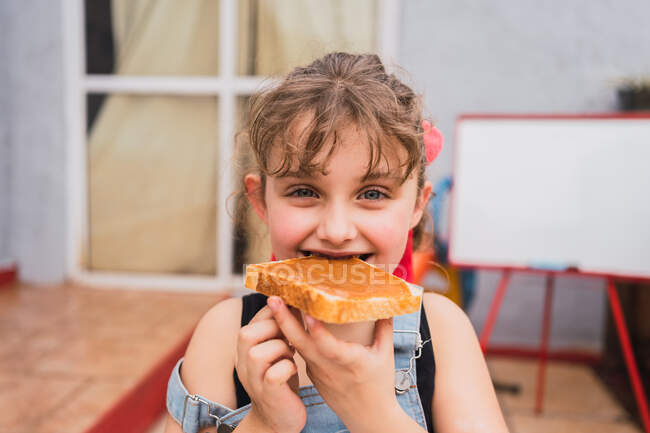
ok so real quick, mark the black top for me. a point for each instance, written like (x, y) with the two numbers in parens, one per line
(424, 366)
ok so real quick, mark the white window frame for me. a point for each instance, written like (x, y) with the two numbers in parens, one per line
(226, 86)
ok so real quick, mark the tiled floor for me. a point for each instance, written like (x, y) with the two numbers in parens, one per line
(72, 352)
(68, 354)
(575, 400)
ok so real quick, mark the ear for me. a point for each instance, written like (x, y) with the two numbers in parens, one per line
(255, 195)
(421, 203)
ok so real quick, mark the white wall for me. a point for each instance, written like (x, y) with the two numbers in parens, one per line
(520, 57)
(5, 173)
(31, 85)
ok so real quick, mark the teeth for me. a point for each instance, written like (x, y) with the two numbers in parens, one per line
(315, 254)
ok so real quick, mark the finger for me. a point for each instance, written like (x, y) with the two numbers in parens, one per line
(265, 354)
(296, 313)
(328, 345)
(280, 372)
(255, 333)
(290, 327)
(383, 337)
(264, 313)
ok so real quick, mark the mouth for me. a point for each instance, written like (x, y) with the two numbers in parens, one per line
(361, 256)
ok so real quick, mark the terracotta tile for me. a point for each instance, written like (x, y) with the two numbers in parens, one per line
(105, 322)
(25, 356)
(76, 350)
(18, 430)
(11, 342)
(545, 424)
(571, 390)
(178, 327)
(28, 320)
(142, 316)
(30, 309)
(21, 395)
(83, 408)
(101, 356)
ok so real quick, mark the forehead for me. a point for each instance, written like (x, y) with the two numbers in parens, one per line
(348, 150)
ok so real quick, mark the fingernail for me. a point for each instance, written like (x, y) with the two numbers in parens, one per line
(309, 321)
(274, 303)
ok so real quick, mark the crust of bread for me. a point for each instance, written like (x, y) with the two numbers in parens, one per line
(329, 307)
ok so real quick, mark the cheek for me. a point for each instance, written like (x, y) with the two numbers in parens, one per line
(389, 230)
(393, 221)
(287, 228)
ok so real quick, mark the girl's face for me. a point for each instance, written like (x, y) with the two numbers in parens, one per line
(337, 214)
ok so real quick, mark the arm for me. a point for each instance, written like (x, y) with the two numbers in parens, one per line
(464, 398)
(210, 360)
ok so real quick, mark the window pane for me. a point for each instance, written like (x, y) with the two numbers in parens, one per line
(153, 184)
(277, 35)
(252, 243)
(151, 37)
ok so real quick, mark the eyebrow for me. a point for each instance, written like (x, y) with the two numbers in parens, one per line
(382, 174)
(371, 176)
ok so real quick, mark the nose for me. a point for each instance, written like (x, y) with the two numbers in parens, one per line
(336, 225)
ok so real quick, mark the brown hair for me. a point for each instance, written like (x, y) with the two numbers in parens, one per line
(334, 91)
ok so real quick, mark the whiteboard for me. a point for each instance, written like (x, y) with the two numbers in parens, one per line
(551, 193)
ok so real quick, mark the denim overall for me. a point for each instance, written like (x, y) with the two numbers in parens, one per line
(194, 412)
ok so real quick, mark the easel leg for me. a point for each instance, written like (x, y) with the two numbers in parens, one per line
(486, 332)
(632, 369)
(543, 349)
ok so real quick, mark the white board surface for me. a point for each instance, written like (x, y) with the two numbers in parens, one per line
(552, 193)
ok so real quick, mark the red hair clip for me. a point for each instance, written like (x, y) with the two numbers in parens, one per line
(432, 141)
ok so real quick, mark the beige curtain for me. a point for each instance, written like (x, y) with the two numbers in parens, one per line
(283, 34)
(289, 33)
(152, 159)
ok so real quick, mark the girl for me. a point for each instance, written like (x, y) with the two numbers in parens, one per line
(340, 171)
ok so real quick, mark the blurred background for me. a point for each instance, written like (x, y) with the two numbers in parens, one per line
(117, 123)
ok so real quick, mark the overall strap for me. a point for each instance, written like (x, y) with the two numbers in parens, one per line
(251, 304)
(407, 339)
(194, 412)
(408, 345)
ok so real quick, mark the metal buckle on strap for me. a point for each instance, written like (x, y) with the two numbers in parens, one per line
(198, 399)
(419, 344)
(402, 377)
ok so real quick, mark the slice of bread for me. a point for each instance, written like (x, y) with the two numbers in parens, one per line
(333, 290)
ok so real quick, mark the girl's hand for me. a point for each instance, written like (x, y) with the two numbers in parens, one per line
(267, 371)
(357, 382)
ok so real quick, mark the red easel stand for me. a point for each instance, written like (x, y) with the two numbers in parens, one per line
(621, 329)
(543, 350)
(486, 332)
(632, 369)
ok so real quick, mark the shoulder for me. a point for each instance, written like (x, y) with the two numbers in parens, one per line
(464, 391)
(210, 357)
(450, 328)
(439, 308)
(223, 317)
(446, 319)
